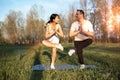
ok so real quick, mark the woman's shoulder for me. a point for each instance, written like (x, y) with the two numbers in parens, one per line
(57, 26)
(48, 25)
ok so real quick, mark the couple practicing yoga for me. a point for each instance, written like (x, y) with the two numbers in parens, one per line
(81, 30)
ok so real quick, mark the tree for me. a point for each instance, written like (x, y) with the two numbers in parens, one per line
(9, 30)
(95, 18)
(116, 20)
(41, 30)
(70, 19)
(20, 24)
(1, 38)
(33, 28)
(102, 10)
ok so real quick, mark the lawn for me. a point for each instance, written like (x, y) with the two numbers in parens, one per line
(16, 63)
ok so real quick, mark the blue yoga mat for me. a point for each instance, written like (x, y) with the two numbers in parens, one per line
(60, 67)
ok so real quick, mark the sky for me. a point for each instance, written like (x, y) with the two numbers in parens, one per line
(48, 6)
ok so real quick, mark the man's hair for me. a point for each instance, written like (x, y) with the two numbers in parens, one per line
(81, 11)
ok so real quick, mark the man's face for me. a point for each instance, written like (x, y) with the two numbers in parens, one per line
(78, 15)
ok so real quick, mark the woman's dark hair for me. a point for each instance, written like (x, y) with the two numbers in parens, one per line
(53, 16)
(81, 11)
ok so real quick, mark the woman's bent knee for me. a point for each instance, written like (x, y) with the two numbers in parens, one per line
(43, 42)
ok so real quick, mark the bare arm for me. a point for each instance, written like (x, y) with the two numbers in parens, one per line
(74, 33)
(60, 32)
(87, 33)
(47, 34)
(90, 34)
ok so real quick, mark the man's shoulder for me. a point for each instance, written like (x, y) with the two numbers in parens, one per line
(75, 22)
(87, 21)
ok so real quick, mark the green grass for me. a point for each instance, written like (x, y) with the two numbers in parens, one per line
(16, 63)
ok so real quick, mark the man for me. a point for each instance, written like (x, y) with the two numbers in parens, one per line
(82, 31)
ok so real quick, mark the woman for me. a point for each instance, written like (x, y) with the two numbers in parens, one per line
(53, 31)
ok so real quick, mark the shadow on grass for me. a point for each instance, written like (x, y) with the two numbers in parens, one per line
(37, 74)
(47, 54)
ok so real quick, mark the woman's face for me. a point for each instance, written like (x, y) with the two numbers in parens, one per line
(56, 20)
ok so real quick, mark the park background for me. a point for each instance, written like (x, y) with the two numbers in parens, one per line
(22, 30)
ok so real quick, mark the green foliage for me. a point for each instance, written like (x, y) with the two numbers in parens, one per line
(16, 63)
